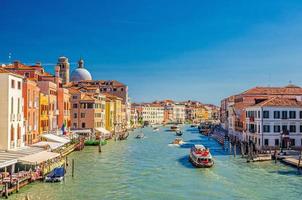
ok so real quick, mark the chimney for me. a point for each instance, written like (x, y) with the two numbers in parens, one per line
(299, 98)
(38, 64)
(57, 71)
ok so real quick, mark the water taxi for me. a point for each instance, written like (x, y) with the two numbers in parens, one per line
(178, 133)
(174, 128)
(155, 129)
(201, 157)
(178, 141)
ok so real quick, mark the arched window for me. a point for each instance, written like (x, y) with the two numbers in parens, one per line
(12, 133)
(19, 132)
(12, 105)
(18, 105)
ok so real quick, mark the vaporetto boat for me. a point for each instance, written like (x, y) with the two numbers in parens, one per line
(201, 157)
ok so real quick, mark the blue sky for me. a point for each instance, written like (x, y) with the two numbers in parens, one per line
(200, 50)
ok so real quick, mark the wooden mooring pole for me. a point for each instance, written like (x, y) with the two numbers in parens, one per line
(72, 168)
(100, 147)
(299, 160)
(234, 148)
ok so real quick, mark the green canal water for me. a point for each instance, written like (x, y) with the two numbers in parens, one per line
(151, 169)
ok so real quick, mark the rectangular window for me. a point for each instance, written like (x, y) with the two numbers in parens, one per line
(19, 85)
(292, 128)
(82, 115)
(276, 114)
(265, 142)
(74, 125)
(276, 142)
(75, 105)
(266, 114)
(284, 114)
(74, 97)
(75, 115)
(13, 84)
(292, 114)
(292, 142)
(266, 128)
(83, 125)
(300, 113)
(284, 128)
(276, 129)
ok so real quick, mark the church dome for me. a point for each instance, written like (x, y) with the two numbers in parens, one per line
(80, 73)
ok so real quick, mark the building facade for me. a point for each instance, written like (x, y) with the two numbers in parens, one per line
(31, 96)
(274, 123)
(11, 116)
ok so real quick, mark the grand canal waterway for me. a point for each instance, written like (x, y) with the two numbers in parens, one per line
(151, 169)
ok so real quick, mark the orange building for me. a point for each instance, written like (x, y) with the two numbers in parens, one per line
(64, 107)
(31, 95)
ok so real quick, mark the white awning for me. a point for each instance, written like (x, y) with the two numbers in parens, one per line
(79, 131)
(38, 158)
(103, 131)
(52, 145)
(55, 138)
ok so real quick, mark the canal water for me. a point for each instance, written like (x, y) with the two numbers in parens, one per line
(151, 169)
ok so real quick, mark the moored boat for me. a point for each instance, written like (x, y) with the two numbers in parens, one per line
(57, 175)
(201, 157)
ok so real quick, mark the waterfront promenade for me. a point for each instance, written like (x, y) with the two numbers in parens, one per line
(151, 169)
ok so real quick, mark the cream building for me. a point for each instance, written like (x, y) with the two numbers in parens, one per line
(275, 123)
(153, 113)
(179, 113)
(11, 116)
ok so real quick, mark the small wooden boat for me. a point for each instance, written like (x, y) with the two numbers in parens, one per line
(178, 133)
(57, 175)
(201, 157)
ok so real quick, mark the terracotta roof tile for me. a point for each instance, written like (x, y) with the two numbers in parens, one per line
(280, 102)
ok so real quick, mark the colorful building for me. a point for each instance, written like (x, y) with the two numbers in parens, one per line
(31, 96)
(11, 116)
(44, 108)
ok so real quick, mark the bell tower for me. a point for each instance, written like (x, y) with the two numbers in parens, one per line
(64, 69)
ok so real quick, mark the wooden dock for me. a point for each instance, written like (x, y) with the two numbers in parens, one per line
(292, 161)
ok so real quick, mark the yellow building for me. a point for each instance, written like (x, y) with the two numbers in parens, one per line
(44, 107)
(109, 114)
(201, 114)
(113, 113)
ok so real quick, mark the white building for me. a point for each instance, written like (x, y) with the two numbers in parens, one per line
(153, 113)
(275, 122)
(179, 113)
(11, 116)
